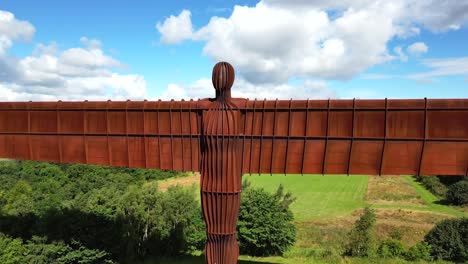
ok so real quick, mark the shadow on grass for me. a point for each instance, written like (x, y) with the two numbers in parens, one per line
(443, 202)
(195, 260)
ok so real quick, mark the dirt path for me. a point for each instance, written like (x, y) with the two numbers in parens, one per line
(187, 181)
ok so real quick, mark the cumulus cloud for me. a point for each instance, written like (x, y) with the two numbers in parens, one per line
(203, 88)
(176, 29)
(417, 48)
(276, 40)
(51, 74)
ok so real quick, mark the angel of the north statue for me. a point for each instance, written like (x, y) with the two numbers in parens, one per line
(224, 138)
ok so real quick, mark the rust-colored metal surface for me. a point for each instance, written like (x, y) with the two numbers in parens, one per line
(428, 137)
(226, 137)
(221, 171)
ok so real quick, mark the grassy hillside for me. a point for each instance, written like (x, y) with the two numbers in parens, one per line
(327, 206)
(318, 196)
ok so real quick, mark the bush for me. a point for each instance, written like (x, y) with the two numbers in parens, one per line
(420, 251)
(391, 248)
(265, 225)
(38, 251)
(457, 193)
(433, 184)
(449, 240)
(11, 250)
(362, 237)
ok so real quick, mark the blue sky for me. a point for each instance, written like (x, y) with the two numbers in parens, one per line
(64, 50)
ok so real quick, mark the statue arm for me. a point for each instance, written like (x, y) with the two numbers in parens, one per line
(374, 137)
(145, 134)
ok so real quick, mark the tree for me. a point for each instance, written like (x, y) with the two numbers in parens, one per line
(449, 239)
(265, 224)
(458, 193)
(391, 248)
(361, 241)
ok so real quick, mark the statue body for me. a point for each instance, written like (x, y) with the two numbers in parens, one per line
(221, 172)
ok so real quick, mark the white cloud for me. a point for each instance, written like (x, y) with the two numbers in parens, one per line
(432, 14)
(280, 39)
(417, 48)
(12, 29)
(269, 44)
(203, 88)
(176, 29)
(400, 53)
(454, 27)
(360, 93)
(443, 67)
(50, 74)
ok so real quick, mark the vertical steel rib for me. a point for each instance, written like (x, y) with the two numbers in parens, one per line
(28, 105)
(261, 139)
(326, 138)
(243, 137)
(85, 130)
(385, 137)
(109, 151)
(171, 136)
(190, 134)
(273, 137)
(158, 131)
(126, 134)
(421, 156)
(251, 137)
(59, 137)
(352, 137)
(182, 138)
(200, 132)
(287, 140)
(144, 133)
(305, 136)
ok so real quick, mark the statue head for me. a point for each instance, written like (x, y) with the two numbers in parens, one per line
(223, 79)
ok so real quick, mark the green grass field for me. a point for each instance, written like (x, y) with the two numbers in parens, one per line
(326, 206)
(318, 196)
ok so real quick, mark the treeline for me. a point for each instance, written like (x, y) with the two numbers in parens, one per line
(113, 213)
(448, 240)
(451, 189)
(62, 213)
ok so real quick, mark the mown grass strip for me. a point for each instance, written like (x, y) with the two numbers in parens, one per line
(318, 196)
(432, 200)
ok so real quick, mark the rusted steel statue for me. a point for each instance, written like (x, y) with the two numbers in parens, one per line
(221, 170)
(224, 138)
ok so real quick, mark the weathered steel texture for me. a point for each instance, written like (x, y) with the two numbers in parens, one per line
(163, 135)
(220, 171)
(417, 136)
(428, 137)
(225, 137)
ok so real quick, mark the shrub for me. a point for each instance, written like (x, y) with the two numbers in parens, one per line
(396, 234)
(420, 251)
(11, 250)
(361, 241)
(458, 193)
(449, 239)
(265, 225)
(38, 251)
(433, 184)
(391, 248)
